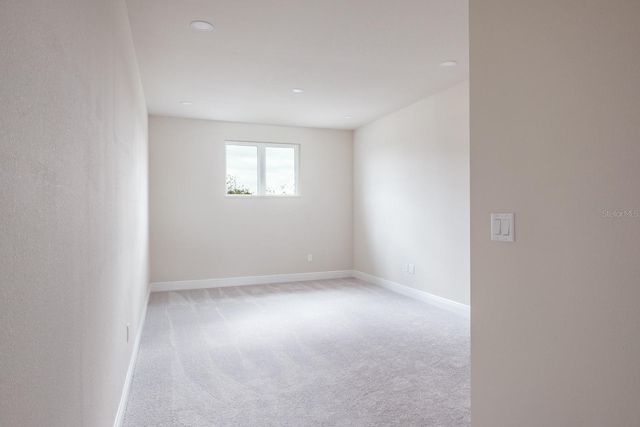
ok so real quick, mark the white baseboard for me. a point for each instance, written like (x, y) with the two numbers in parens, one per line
(184, 285)
(132, 365)
(444, 303)
(251, 280)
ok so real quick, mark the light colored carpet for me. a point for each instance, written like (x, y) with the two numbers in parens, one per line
(322, 353)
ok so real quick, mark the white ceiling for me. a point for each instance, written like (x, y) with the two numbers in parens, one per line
(360, 58)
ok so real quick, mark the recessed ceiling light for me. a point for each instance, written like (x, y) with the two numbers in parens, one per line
(201, 26)
(348, 117)
(298, 90)
(449, 64)
(185, 103)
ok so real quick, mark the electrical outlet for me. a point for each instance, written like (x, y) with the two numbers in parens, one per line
(309, 257)
(411, 269)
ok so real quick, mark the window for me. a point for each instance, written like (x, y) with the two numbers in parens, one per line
(262, 169)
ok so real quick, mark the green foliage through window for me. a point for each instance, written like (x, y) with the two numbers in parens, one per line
(233, 188)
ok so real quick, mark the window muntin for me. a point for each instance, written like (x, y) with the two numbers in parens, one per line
(261, 169)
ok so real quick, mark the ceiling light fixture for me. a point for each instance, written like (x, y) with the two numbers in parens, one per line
(348, 117)
(298, 90)
(449, 63)
(201, 26)
(185, 103)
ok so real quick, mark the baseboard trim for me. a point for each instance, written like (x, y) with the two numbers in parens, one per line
(251, 280)
(444, 303)
(132, 365)
(441, 302)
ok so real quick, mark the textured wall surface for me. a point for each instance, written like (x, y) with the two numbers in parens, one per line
(197, 232)
(73, 200)
(411, 195)
(555, 138)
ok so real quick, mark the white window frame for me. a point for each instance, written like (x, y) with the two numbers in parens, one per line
(262, 167)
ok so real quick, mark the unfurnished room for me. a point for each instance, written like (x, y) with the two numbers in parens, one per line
(319, 213)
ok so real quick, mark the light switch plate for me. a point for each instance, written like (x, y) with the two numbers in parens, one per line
(503, 227)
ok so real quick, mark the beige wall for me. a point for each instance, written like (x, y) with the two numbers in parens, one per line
(411, 195)
(73, 231)
(555, 138)
(197, 232)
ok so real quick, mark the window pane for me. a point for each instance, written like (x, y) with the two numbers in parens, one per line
(242, 169)
(280, 171)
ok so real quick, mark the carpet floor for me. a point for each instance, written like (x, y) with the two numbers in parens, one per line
(320, 353)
